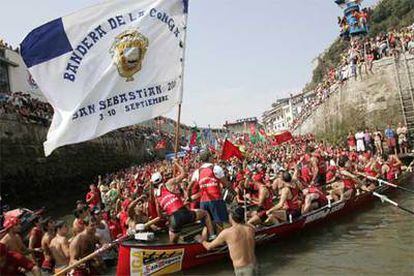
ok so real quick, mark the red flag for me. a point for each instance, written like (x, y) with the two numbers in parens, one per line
(193, 139)
(230, 150)
(252, 129)
(282, 137)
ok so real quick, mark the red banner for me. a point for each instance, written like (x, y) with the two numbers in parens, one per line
(252, 129)
(282, 137)
(193, 139)
(230, 150)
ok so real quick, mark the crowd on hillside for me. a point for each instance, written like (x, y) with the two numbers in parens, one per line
(302, 174)
(356, 61)
(34, 111)
(29, 109)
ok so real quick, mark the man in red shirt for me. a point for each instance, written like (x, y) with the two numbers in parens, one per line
(11, 263)
(93, 197)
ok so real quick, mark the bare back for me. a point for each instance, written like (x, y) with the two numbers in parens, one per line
(13, 242)
(59, 248)
(240, 240)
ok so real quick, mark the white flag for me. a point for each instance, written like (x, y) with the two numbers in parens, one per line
(108, 66)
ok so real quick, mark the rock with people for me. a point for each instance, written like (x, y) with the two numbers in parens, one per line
(356, 61)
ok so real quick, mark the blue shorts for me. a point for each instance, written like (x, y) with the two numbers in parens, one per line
(217, 210)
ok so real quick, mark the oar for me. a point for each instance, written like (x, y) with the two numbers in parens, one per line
(245, 205)
(385, 198)
(385, 182)
(104, 248)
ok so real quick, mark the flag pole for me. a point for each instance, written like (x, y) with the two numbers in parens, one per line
(177, 131)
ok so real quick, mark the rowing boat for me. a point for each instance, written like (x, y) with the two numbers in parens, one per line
(161, 257)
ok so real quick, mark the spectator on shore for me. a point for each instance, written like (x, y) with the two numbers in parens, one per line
(351, 141)
(360, 146)
(368, 140)
(402, 138)
(391, 139)
(378, 137)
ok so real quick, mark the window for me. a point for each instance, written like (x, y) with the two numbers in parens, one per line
(4, 77)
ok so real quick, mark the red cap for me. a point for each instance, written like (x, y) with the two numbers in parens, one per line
(10, 222)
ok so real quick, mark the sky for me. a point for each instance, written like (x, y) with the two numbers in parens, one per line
(241, 55)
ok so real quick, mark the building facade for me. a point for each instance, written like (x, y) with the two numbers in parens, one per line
(279, 116)
(242, 125)
(285, 110)
(14, 75)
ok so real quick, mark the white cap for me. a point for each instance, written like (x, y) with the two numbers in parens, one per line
(156, 178)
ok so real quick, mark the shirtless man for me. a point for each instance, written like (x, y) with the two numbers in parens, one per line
(59, 246)
(80, 214)
(240, 241)
(82, 245)
(48, 228)
(136, 214)
(12, 239)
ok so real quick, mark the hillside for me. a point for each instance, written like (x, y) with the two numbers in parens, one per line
(386, 16)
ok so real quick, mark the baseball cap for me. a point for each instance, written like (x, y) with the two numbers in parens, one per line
(11, 222)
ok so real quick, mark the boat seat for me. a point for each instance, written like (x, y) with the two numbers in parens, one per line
(190, 231)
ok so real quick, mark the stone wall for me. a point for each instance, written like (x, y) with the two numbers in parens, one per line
(26, 175)
(371, 102)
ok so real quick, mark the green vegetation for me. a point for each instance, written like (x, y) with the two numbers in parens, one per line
(387, 15)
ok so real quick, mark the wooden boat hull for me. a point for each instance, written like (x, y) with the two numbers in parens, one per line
(156, 259)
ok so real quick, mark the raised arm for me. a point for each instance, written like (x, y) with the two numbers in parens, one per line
(176, 180)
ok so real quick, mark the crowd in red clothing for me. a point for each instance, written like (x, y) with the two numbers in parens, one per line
(300, 175)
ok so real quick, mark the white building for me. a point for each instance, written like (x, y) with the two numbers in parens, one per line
(279, 116)
(14, 75)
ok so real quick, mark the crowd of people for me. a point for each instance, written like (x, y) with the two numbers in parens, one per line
(29, 109)
(396, 140)
(278, 183)
(33, 111)
(355, 61)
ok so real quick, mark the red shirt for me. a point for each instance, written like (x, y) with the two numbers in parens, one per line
(115, 228)
(95, 199)
(123, 216)
(351, 141)
(14, 261)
